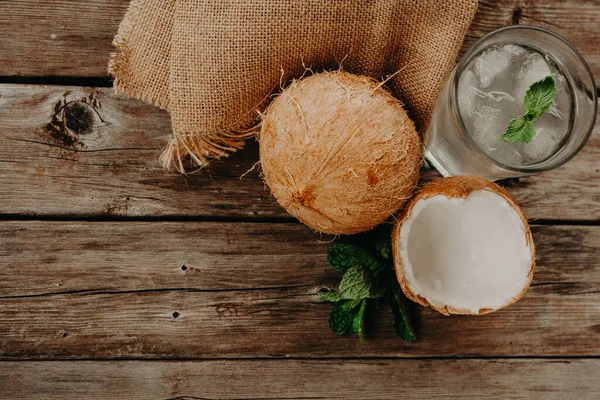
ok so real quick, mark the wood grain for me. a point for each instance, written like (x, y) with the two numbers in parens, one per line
(108, 166)
(112, 169)
(41, 258)
(302, 379)
(72, 38)
(67, 38)
(117, 290)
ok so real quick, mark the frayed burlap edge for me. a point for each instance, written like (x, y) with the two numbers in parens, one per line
(118, 65)
(202, 149)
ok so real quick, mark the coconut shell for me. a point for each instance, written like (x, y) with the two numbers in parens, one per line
(456, 186)
(339, 152)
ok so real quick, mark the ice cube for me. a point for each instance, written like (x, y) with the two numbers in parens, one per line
(551, 128)
(497, 107)
(541, 146)
(507, 154)
(489, 125)
(562, 100)
(486, 127)
(494, 61)
(466, 84)
(493, 97)
(532, 70)
(556, 112)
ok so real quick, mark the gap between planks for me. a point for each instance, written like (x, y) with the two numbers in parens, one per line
(199, 218)
(275, 358)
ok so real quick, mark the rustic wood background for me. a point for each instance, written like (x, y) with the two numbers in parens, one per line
(118, 280)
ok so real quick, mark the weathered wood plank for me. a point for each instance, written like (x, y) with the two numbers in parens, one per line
(38, 40)
(117, 290)
(108, 165)
(302, 379)
(58, 38)
(38, 258)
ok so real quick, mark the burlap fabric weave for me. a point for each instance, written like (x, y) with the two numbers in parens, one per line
(214, 64)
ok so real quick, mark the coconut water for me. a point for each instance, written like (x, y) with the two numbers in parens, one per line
(490, 93)
(474, 110)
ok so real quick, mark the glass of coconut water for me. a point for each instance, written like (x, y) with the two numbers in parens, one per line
(487, 90)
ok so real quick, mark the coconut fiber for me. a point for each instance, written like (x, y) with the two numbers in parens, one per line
(215, 64)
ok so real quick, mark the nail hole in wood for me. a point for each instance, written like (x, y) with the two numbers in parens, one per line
(183, 268)
(175, 314)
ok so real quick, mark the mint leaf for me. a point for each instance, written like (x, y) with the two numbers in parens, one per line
(383, 244)
(344, 256)
(402, 323)
(358, 324)
(539, 97)
(368, 274)
(331, 296)
(519, 129)
(342, 315)
(384, 249)
(358, 284)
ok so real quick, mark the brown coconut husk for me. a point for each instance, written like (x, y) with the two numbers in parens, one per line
(339, 152)
(456, 187)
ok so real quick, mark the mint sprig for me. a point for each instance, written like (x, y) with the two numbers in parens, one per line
(402, 323)
(368, 277)
(358, 324)
(357, 284)
(343, 256)
(538, 99)
(342, 315)
(519, 129)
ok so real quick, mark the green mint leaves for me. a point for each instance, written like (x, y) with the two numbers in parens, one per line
(402, 324)
(357, 284)
(519, 129)
(368, 277)
(342, 257)
(539, 97)
(343, 313)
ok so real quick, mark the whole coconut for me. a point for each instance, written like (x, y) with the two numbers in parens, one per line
(339, 152)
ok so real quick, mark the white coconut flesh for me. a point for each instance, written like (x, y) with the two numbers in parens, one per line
(466, 253)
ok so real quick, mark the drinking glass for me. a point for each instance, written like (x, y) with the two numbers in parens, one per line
(450, 147)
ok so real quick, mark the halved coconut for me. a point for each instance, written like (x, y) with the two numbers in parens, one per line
(463, 246)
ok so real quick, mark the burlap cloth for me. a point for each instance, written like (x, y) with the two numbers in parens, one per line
(214, 64)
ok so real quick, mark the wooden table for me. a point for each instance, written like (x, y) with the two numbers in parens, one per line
(118, 280)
